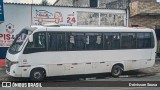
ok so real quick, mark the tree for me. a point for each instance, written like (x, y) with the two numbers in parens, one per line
(44, 2)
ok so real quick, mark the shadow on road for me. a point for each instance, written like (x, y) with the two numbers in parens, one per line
(131, 74)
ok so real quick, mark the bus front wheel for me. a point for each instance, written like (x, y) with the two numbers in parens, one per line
(116, 70)
(37, 74)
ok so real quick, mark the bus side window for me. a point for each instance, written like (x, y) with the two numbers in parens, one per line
(94, 41)
(128, 41)
(52, 41)
(56, 41)
(38, 44)
(147, 40)
(39, 40)
(111, 41)
(75, 41)
(61, 42)
(152, 41)
(144, 40)
(140, 37)
(79, 41)
(70, 41)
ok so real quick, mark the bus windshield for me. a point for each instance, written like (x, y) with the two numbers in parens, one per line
(19, 41)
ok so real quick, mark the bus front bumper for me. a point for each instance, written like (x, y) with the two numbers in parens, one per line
(13, 72)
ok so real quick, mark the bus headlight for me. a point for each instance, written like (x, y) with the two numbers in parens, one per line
(9, 64)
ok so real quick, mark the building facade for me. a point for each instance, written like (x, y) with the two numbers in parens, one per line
(92, 18)
(144, 13)
(80, 3)
(91, 3)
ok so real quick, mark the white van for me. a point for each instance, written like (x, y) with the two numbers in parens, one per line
(43, 51)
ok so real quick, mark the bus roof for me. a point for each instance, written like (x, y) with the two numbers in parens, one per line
(94, 29)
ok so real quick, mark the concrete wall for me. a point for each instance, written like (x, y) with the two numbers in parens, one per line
(65, 3)
(144, 0)
(145, 21)
(82, 3)
(142, 7)
(144, 13)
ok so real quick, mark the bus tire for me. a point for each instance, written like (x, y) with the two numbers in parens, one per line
(37, 74)
(116, 70)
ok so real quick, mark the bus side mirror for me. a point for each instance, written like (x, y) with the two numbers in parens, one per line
(30, 39)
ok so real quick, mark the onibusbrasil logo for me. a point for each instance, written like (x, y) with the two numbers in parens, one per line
(19, 84)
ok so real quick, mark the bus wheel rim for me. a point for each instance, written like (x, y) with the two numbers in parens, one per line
(37, 75)
(116, 71)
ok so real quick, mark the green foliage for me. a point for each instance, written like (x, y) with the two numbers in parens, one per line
(44, 2)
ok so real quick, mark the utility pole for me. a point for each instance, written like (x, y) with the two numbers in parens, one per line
(31, 11)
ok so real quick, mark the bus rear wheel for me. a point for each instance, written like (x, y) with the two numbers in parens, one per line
(116, 70)
(37, 75)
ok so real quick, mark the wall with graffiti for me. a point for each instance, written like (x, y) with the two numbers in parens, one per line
(60, 16)
(18, 16)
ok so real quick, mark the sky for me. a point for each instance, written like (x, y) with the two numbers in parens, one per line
(29, 1)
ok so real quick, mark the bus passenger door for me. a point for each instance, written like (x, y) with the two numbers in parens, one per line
(24, 66)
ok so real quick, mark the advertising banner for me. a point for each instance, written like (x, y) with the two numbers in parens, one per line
(60, 16)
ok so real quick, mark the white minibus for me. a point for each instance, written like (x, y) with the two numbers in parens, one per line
(44, 51)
